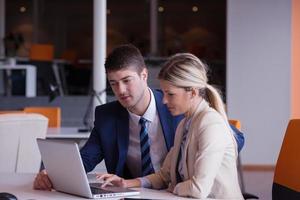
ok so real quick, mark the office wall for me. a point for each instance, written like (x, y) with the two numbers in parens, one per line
(259, 74)
(2, 26)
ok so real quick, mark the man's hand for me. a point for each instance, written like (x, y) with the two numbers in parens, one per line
(42, 181)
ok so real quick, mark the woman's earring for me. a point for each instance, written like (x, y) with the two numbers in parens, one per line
(193, 93)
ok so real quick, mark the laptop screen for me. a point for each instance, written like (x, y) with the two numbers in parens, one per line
(64, 166)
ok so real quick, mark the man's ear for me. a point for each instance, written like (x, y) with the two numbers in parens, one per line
(144, 74)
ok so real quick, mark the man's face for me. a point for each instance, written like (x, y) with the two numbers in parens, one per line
(128, 85)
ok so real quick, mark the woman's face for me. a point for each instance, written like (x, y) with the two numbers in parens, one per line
(177, 99)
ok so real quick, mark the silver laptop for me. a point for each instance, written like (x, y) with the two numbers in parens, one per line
(64, 166)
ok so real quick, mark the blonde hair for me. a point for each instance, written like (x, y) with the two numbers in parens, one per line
(187, 71)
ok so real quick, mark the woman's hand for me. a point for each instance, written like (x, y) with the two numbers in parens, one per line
(111, 179)
(170, 188)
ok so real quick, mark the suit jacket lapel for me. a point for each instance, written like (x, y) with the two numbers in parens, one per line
(165, 120)
(123, 139)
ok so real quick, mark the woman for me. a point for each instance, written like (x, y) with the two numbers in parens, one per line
(202, 162)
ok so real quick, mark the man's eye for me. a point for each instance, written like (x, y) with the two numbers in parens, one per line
(112, 83)
(127, 80)
(170, 94)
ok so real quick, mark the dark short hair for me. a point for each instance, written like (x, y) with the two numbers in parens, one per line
(124, 56)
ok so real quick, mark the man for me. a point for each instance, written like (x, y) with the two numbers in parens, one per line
(117, 130)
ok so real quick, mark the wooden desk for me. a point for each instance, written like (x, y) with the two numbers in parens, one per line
(21, 186)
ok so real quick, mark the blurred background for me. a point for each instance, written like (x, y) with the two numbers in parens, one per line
(192, 26)
(251, 47)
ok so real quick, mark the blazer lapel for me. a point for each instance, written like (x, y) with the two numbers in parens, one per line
(165, 120)
(123, 139)
(197, 116)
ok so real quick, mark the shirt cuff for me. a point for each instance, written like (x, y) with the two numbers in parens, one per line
(145, 183)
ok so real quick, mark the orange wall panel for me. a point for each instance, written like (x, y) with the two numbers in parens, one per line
(295, 69)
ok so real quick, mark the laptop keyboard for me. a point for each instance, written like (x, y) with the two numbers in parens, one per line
(99, 191)
(110, 191)
(96, 189)
(95, 185)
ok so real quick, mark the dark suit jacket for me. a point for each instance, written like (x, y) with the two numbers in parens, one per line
(110, 136)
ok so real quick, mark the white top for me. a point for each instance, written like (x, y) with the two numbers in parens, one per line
(158, 149)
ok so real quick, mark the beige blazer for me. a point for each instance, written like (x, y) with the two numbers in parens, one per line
(210, 156)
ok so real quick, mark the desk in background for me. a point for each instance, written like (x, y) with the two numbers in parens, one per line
(21, 186)
(57, 68)
(68, 133)
(30, 90)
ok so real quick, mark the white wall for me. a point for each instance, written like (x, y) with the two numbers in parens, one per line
(2, 35)
(2, 26)
(259, 73)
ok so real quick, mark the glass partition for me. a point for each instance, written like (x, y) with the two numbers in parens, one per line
(192, 26)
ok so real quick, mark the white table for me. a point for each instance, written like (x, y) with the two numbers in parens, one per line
(66, 133)
(30, 70)
(21, 186)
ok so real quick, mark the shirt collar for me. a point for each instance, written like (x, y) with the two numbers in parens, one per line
(150, 113)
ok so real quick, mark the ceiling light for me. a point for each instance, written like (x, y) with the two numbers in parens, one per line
(161, 9)
(195, 9)
(23, 9)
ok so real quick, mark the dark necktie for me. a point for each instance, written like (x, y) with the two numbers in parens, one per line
(147, 167)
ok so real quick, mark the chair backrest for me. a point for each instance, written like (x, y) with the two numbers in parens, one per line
(236, 123)
(18, 148)
(286, 182)
(52, 113)
(41, 52)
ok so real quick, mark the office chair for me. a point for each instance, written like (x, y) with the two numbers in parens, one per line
(41, 56)
(286, 182)
(52, 113)
(18, 148)
(237, 124)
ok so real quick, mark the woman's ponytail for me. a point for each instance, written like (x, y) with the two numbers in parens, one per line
(213, 97)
